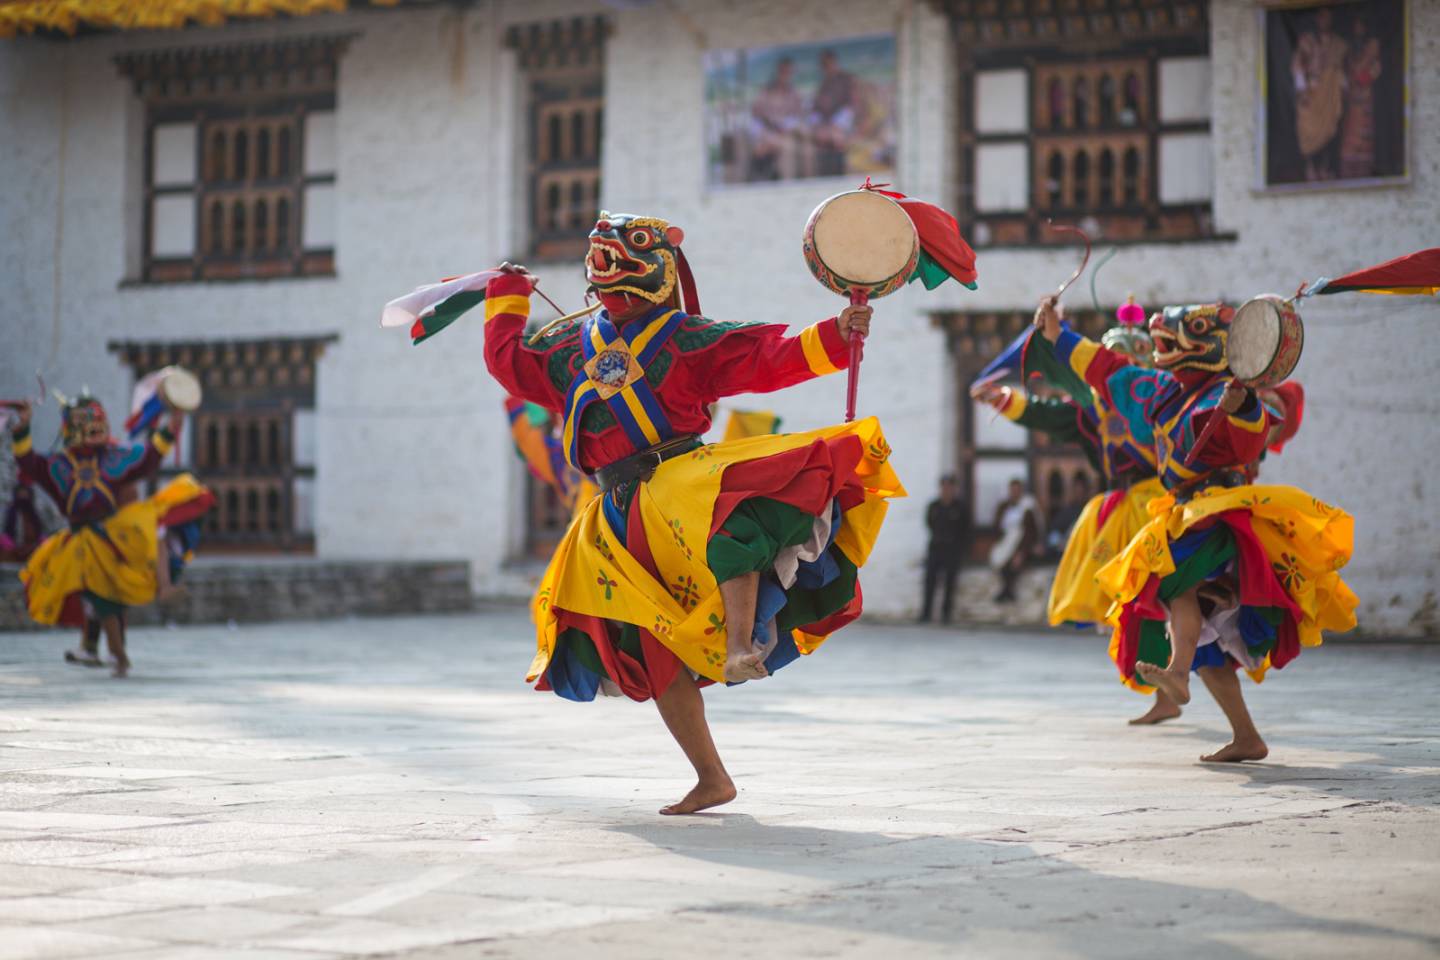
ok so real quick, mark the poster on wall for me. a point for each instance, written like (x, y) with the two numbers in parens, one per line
(795, 112)
(1334, 98)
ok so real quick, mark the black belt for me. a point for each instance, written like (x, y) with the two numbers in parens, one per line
(1222, 477)
(641, 466)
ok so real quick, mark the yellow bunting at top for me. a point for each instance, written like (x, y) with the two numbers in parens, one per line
(68, 16)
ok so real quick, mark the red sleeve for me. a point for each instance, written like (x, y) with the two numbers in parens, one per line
(522, 371)
(761, 359)
(32, 466)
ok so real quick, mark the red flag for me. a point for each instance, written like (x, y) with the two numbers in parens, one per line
(939, 234)
(1414, 273)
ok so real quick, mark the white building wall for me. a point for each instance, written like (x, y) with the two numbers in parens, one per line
(413, 455)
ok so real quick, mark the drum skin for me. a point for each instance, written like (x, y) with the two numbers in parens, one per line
(180, 389)
(1265, 341)
(861, 241)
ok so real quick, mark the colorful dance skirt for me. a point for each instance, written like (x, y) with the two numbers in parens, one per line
(1104, 528)
(1280, 551)
(632, 595)
(112, 560)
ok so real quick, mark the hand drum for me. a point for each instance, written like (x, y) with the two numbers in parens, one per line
(1265, 341)
(862, 245)
(180, 389)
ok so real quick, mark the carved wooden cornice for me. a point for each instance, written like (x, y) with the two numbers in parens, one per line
(1042, 23)
(576, 42)
(293, 66)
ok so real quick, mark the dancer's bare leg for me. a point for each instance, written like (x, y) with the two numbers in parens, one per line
(114, 628)
(1164, 709)
(1245, 743)
(742, 661)
(683, 710)
(1185, 621)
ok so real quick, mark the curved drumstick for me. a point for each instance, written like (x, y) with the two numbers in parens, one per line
(1069, 228)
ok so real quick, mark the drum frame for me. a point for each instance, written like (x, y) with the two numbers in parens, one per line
(1283, 361)
(165, 397)
(844, 285)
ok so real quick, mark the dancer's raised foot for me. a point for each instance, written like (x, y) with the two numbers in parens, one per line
(1238, 750)
(709, 792)
(745, 666)
(1164, 709)
(1175, 683)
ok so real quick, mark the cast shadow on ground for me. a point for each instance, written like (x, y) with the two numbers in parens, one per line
(1363, 781)
(958, 891)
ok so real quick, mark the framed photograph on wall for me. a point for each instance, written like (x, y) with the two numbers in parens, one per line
(1334, 104)
(800, 111)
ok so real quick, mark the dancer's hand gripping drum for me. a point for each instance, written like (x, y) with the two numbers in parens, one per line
(1262, 349)
(861, 245)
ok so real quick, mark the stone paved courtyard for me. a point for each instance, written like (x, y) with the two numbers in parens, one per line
(390, 787)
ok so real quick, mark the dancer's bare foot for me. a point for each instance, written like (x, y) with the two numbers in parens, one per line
(1237, 750)
(745, 666)
(707, 793)
(1176, 683)
(1164, 709)
(120, 669)
(83, 658)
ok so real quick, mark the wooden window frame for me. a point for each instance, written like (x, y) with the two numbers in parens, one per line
(1044, 38)
(251, 88)
(562, 66)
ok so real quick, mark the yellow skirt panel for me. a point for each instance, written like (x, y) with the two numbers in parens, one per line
(1306, 541)
(1074, 596)
(118, 565)
(592, 575)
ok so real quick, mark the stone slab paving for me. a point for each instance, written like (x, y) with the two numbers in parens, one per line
(390, 787)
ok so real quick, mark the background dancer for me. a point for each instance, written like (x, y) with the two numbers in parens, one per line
(1245, 575)
(110, 557)
(1126, 465)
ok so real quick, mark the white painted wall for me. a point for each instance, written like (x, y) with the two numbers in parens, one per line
(412, 451)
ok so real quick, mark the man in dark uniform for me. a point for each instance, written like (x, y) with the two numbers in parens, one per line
(948, 519)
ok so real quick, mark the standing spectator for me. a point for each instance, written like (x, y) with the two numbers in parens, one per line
(948, 518)
(1017, 519)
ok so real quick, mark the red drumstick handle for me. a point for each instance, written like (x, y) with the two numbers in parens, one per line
(858, 298)
(1215, 417)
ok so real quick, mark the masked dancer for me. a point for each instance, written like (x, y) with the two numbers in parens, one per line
(1245, 575)
(111, 556)
(697, 564)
